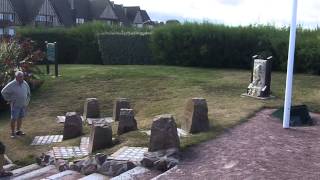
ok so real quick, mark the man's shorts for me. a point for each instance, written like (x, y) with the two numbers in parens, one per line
(18, 113)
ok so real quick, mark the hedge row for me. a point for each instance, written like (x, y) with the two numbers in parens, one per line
(76, 45)
(219, 46)
(125, 48)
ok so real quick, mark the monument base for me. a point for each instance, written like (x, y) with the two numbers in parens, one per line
(299, 116)
(255, 97)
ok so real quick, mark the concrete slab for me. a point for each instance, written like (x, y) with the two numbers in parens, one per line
(45, 140)
(62, 119)
(39, 173)
(84, 143)
(26, 169)
(68, 174)
(95, 176)
(181, 133)
(129, 174)
(69, 152)
(105, 121)
(9, 167)
(134, 154)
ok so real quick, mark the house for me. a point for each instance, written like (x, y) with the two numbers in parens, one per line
(55, 13)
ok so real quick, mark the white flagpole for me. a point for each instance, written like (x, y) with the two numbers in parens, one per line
(292, 43)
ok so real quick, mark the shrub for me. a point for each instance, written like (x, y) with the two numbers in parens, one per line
(125, 48)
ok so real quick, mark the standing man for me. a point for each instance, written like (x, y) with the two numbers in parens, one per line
(17, 93)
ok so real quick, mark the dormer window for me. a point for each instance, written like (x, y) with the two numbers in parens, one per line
(44, 20)
(80, 20)
(7, 17)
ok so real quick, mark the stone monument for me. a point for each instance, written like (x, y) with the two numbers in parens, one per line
(120, 103)
(72, 126)
(127, 122)
(196, 116)
(91, 108)
(260, 78)
(100, 137)
(164, 133)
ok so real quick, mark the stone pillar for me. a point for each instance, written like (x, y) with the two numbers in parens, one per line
(164, 133)
(196, 116)
(100, 137)
(127, 121)
(91, 108)
(72, 126)
(120, 103)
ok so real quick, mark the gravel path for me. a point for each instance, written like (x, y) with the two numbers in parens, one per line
(257, 149)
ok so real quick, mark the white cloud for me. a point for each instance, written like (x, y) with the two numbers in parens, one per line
(232, 12)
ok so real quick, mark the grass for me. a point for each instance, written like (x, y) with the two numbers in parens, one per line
(153, 90)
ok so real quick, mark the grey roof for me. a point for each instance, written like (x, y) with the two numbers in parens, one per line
(131, 12)
(141, 17)
(120, 12)
(32, 8)
(19, 8)
(82, 9)
(102, 9)
(145, 16)
(63, 10)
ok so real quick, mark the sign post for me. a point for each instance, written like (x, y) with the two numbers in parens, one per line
(52, 57)
(292, 43)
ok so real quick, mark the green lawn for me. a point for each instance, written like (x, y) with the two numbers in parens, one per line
(153, 90)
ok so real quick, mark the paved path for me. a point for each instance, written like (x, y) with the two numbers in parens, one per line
(258, 149)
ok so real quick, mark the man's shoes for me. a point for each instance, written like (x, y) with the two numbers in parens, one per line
(5, 174)
(13, 135)
(20, 133)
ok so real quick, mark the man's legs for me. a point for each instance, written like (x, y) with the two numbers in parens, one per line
(13, 124)
(19, 123)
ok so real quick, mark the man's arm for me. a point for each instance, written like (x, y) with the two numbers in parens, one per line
(7, 92)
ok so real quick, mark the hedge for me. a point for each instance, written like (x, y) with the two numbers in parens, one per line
(76, 45)
(125, 48)
(220, 46)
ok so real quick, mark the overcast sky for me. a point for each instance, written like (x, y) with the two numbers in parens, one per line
(231, 12)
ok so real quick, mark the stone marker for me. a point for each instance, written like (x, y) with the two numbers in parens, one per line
(115, 168)
(127, 122)
(260, 78)
(91, 108)
(164, 133)
(72, 126)
(100, 137)
(196, 116)
(120, 103)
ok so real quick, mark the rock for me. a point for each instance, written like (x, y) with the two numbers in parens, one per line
(100, 137)
(45, 160)
(74, 167)
(196, 116)
(62, 165)
(127, 121)
(91, 108)
(114, 168)
(100, 158)
(121, 103)
(89, 169)
(161, 160)
(164, 134)
(72, 126)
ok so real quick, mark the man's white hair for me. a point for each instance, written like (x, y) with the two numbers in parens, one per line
(18, 73)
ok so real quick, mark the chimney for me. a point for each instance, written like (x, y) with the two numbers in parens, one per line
(112, 3)
(72, 4)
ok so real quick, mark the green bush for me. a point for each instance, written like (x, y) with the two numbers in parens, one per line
(125, 48)
(209, 45)
(75, 45)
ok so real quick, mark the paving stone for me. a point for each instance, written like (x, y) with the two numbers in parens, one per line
(133, 154)
(62, 119)
(95, 176)
(131, 173)
(68, 174)
(45, 140)
(181, 133)
(84, 144)
(101, 121)
(9, 167)
(69, 152)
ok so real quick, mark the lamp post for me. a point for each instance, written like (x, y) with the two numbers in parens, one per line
(292, 43)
